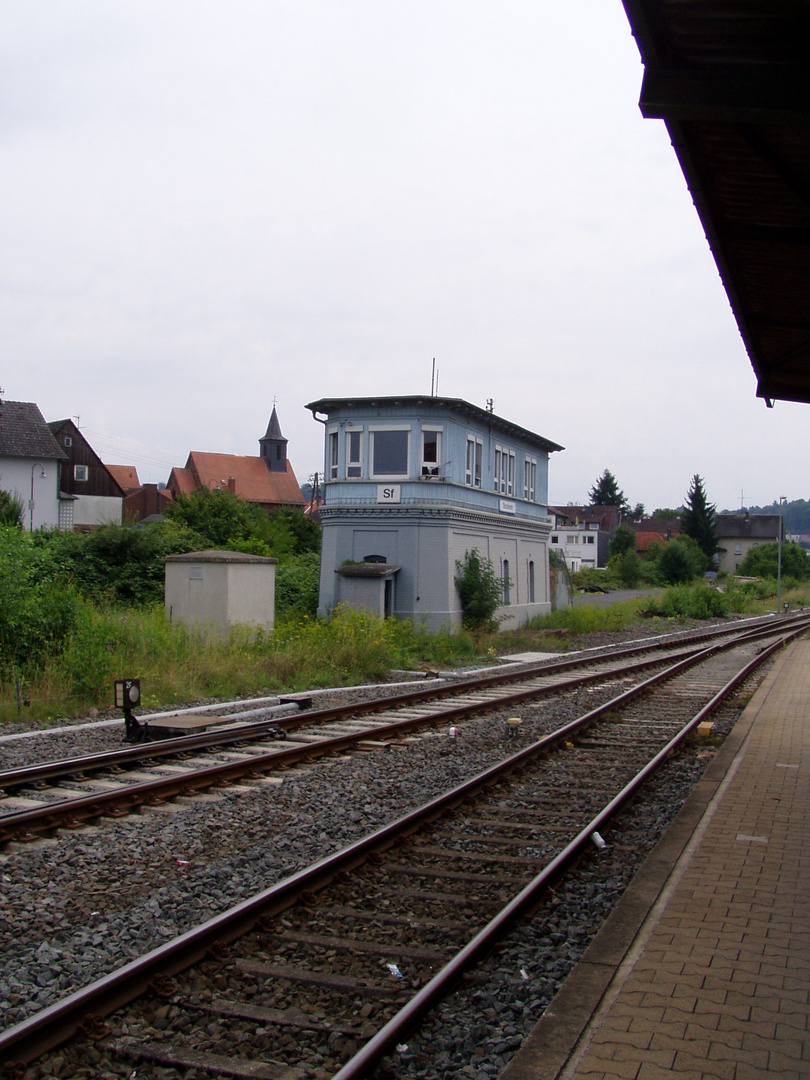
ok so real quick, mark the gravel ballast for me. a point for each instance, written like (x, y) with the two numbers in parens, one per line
(76, 907)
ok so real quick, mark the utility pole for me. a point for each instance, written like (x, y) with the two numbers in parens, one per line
(782, 500)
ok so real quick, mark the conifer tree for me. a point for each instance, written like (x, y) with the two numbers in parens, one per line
(697, 519)
(606, 492)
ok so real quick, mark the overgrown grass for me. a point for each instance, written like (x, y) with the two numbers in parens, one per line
(178, 665)
(587, 618)
(350, 648)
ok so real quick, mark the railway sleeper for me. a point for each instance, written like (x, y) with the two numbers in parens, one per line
(293, 1017)
(368, 948)
(460, 855)
(184, 1057)
(480, 902)
(266, 969)
(370, 916)
(419, 871)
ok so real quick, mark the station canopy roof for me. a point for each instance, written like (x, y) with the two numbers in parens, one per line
(731, 80)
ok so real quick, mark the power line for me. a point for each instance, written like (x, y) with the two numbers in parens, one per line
(129, 450)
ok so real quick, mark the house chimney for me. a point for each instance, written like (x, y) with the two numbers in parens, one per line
(232, 485)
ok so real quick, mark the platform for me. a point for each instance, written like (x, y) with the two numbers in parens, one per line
(703, 969)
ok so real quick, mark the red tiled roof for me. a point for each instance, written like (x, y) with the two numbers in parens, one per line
(644, 539)
(126, 476)
(182, 481)
(248, 477)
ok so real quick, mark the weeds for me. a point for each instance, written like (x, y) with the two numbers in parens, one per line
(179, 665)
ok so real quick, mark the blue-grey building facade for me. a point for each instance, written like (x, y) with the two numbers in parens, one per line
(413, 483)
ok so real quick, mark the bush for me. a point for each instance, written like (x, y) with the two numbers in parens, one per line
(37, 612)
(684, 602)
(763, 561)
(117, 563)
(626, 567)
(297, 583)
(12, 509)
(682, 561)
(481, 591)
(222, 520)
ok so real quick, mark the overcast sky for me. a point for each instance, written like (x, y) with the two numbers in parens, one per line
(207, 207)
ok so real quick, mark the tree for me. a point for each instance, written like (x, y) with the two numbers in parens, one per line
(639, 511)
(606, 492)
(697, 520)
(622, 541)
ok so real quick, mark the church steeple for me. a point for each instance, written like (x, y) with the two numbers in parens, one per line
(273, 447)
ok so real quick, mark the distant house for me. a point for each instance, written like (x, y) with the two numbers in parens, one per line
(147, 503)
(96, 495)
(739, 533)
(31, 462)
(413, 483)
(654, 531)
(126, 476)
(267, 480)
(582, 534)
(142, 502)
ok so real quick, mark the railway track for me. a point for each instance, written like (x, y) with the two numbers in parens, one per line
(324, 973)
(40, 799)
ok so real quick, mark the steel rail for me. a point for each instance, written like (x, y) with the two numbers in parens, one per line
(403, 1021)
(48, 772)
(72, 812)
(53, 1025)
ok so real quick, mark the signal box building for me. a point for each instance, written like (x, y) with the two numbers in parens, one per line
(413, 483)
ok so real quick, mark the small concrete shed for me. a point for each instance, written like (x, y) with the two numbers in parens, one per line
(369, 586)
(215, 590)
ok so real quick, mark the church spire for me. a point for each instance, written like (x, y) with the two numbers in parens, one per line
(273, 447)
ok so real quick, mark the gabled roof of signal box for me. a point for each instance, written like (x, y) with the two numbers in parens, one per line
(731, 80)
(474, 413)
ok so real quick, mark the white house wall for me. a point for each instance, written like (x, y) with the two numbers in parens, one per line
(15, 477)
(92, 510)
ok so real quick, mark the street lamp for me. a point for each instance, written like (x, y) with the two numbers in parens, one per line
(34, 467)
(782, 501)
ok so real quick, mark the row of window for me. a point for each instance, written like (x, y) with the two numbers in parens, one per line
(388, 451)
(574, 539)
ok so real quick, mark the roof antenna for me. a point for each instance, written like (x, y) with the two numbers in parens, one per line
(434, 380)
(490, 405)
